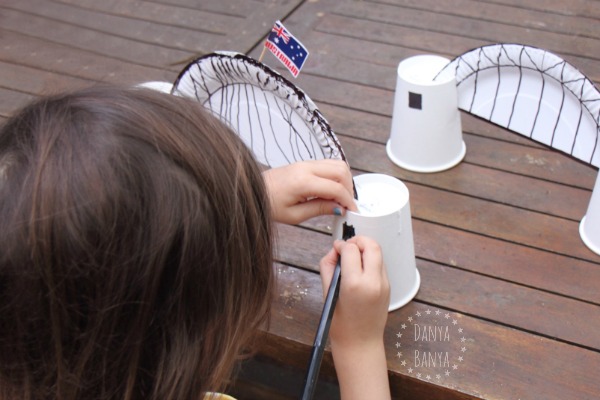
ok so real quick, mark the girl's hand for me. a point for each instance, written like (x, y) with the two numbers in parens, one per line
(307, 189)
(359, 319)
(361, 310)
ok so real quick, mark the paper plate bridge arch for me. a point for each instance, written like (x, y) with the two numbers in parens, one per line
(532, 92)
(276, 119)
(539, 95)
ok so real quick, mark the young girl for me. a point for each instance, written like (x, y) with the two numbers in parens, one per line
(136, 251)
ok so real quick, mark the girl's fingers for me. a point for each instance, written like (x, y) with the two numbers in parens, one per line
(326, 266)
(327, 189)
(336, 171)
(362, 262)
(316, 207)
(371, 255)
(351, 259)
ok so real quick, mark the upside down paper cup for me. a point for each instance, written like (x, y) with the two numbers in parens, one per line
(426, 134)
(384, 215)
(589, 228)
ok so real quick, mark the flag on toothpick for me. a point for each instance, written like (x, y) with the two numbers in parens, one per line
(286, 48)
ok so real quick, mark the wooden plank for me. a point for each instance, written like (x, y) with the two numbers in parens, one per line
(382, 23)
(64, 60)
(516, 263)
(326, 47)
(105, 44)
(162, 14)
(350, 45)
(470, 252)
(510, 304)
(33, 81)
(373, 127)
(579, 8)
(352, 58)
(239, 9)
(234, 27)
(10, 100)
(515, 14)
(261, 378)
(443, 42)
(546, 164)
(499, 221)
(244, 35)
(491, 181)
(347, 94)
(520, 191)
(418, 39)
(497, 300)
(344, 66)
(165, 36)
(501, 362)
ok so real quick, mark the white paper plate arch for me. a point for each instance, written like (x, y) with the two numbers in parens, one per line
(276, 119)
(532, 92)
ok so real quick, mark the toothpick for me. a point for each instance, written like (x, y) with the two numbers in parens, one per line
(262, 54)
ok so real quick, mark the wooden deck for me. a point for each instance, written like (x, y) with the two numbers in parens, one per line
(496, 237)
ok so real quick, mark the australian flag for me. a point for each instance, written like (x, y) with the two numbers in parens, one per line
(286, 48)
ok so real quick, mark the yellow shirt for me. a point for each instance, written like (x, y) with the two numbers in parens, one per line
(217, 396)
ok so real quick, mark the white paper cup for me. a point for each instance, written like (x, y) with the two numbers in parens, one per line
(159, 86)
(385, 217)
(426, 134)
(589, 228)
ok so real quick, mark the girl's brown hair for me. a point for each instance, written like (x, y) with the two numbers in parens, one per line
(135, 248)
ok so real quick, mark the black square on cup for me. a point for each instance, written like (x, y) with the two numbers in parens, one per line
(414, 100)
